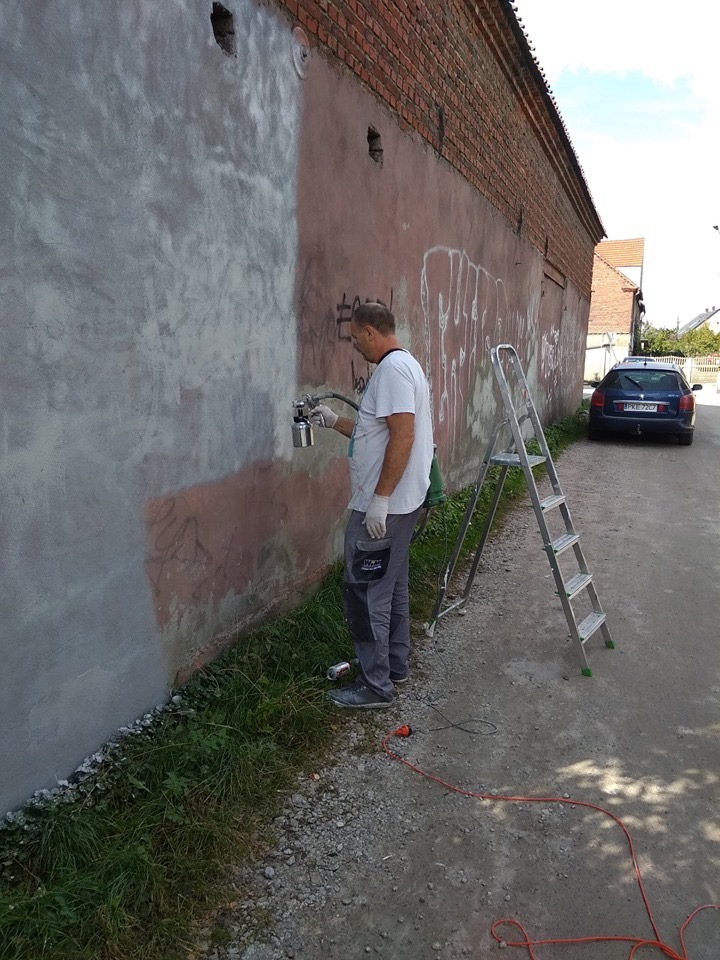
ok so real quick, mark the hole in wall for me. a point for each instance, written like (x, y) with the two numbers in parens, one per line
(223, 28)
(375, 145)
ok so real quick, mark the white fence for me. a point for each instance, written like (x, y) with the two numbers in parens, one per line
(696, 369)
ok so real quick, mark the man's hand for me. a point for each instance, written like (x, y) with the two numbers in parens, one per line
(322, 416)
(376, 516)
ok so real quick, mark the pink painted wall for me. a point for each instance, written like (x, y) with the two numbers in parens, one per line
(187, 233)
(413, 233)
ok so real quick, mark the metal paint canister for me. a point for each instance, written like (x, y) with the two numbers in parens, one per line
(302, 432)
(338, 670)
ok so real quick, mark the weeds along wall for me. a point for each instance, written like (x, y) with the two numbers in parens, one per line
(193, 201)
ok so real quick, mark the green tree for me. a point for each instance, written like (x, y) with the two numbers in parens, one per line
(700, 342)
(660, 341)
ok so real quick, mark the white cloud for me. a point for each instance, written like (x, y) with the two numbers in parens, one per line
(661, 184)
(622, 35)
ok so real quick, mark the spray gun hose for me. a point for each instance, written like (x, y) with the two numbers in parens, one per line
(315, 399)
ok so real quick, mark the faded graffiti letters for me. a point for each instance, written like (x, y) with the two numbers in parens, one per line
(345, 313)
(176, 543)
(177, 550)
(359, 382)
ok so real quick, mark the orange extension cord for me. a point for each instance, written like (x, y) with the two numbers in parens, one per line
(638, 942)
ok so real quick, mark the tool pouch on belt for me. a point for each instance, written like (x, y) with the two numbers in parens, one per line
(370, 560)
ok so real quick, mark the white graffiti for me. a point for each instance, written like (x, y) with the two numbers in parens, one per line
(549, 352)
(466, 311)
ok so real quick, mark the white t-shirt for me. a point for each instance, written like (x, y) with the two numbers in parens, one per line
(398, 385)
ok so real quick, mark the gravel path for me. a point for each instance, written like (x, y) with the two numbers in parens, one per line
(371, 859)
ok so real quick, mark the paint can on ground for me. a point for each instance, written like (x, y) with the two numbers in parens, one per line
(339, 670)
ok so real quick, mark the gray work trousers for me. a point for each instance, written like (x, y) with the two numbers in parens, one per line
(376, 598)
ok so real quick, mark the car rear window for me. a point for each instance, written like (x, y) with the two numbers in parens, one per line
(642, 379)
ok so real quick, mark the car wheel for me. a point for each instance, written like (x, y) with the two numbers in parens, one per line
(594, 435)
(685, 439)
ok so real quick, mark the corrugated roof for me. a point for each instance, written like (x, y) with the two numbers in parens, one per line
(622, 253)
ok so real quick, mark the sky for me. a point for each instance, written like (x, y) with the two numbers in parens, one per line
(637, 85)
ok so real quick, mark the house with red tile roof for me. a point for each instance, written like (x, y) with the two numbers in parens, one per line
(625, 255)
(616, 305)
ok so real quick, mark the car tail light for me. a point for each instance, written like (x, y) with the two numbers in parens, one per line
(687, 402)
(597, 399)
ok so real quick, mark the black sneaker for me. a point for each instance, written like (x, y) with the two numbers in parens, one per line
(400, 679)
(358, 697)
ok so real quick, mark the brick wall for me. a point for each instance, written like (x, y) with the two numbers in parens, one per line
(613, 300)
(460, 75)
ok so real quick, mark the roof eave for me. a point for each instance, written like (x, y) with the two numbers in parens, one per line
(552, 112)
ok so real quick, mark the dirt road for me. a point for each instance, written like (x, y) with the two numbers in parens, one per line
(374, 860)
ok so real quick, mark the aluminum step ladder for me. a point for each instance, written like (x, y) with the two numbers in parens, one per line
(517, 455)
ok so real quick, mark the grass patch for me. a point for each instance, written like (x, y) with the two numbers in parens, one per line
(127, 866)
(131, 862)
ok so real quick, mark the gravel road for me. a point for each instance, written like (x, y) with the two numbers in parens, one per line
(372, 859)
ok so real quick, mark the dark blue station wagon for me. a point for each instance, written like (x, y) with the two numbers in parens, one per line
(644, 397)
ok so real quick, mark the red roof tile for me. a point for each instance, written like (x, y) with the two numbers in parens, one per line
(622, 253)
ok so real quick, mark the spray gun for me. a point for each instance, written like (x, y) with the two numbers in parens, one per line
(302, 431)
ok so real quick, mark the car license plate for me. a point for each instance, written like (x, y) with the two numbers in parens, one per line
(641, 407)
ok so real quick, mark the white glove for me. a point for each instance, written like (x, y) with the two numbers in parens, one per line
(322, 416)
(376, 516)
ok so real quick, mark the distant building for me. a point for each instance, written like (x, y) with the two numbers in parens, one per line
(616, 305)
(627, 256)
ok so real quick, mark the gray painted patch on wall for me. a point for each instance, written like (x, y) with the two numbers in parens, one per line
(148, 208)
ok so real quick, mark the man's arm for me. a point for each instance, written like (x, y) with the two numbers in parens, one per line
(344, 425)
(322, 416)
(397, 453)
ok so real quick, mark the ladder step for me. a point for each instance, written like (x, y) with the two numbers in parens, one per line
(513, 459)
(549, 502)
(576, 584)
(591, 623)
(562, 543)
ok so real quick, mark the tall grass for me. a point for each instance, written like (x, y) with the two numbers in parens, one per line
(128, 864)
